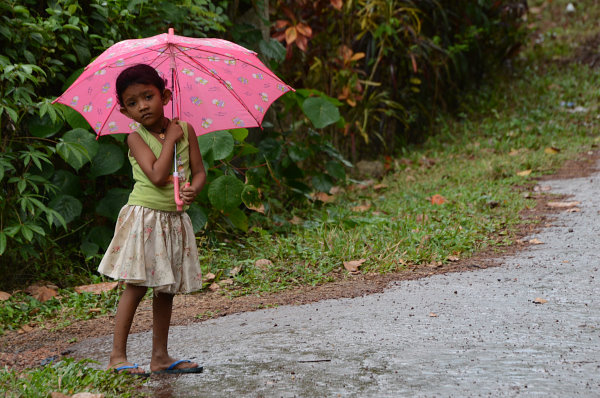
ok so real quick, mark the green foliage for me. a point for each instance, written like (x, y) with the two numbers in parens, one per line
(68, 306)
(54, 172)
(68, 377)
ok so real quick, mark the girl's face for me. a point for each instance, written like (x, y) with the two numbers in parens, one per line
(144, 103)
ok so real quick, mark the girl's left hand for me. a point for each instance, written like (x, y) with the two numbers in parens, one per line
(187, 194)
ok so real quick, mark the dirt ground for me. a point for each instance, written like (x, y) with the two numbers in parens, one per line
(25, 349)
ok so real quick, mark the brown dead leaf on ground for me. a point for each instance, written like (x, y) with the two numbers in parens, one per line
(226, 282)
(214, 287)
(4, 296)
(42, 293)
(323, 197)
(352, 266)
(536, 241)
(573, 210)
(97, 288)
(437, 199)
(263, 264)
(235, 270)
(296, 220)
(362, 208)
(336, 190)
(563, 205)
(378, 187)
(453, 258)
(209, 277)
(551, 150)
(433, 315)
(540, 300)
(524, 173)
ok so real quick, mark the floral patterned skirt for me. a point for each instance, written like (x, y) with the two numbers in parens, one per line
(154, 248)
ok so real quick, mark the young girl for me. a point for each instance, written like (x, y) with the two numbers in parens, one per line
(154, 244)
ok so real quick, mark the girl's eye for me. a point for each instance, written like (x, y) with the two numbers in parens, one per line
(148, 97)
(131, 104)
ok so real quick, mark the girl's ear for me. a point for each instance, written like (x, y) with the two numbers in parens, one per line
(124, 112)
(166, 97)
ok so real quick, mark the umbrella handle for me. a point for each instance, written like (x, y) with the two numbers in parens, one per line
(178, 200)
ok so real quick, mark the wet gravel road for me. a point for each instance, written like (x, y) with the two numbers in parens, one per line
(464, 334)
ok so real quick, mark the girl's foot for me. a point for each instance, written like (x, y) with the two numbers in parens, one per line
(127, 367)
(170, 365)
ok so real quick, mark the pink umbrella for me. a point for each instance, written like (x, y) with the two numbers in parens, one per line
(217, 85)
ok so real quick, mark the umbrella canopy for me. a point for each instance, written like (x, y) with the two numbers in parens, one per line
(217, 85)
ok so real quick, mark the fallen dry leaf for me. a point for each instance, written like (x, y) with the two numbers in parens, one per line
(542, 188)
(296, 220)
(87, 395)
(214, 287)
(352, 266)
(263, 263)
(573, 210)
(209, 277)
(362, 208)
(226, 282)
(551, 150)
(323, 197)
(563, 205)
(540, 300)
(438, 199)
(524, 173)
(379, 186)
(514, 152)
(536, 241)
(433, 314)
(43, 293)
(452, 258)
(97, 288)
(336, 190)
(4, 296)
(59, 395)
(235, 270)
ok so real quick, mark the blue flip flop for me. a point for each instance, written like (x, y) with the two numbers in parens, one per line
(172, 370)
(134, 366)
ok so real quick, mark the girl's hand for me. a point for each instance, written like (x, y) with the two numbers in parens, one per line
(187, 194)
(174, 131)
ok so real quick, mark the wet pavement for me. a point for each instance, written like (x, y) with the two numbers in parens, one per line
(464, 334)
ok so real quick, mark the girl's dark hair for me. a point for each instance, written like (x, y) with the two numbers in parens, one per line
(138, 74)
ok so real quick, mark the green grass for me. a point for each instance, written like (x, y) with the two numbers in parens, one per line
(68, 377)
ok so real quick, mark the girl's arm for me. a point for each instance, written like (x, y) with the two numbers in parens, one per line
(188, 193)
(158, 170)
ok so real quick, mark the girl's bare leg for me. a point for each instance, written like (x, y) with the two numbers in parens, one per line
(162, 306)
(128, 303)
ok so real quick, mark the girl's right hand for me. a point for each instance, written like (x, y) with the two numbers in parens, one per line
(174, 131)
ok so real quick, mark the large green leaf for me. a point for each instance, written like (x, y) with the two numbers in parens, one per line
(239, 134)
(108, 160)
(74, 118)
(225, 192)
(77, 147)
(251, 197)
(100, 235)
(198, 217)
(67, 206)
(322, 182)
(336, 170)
(43, 127)
(66, 182)
(111, 204)
(220, 143)
(238, 218)
(320, 112)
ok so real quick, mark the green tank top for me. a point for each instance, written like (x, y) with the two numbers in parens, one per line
(144, 192)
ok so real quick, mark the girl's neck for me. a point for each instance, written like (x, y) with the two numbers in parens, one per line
(159, 128)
